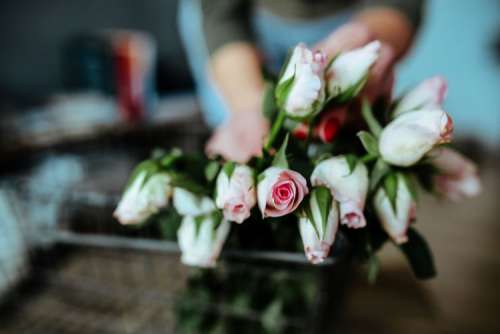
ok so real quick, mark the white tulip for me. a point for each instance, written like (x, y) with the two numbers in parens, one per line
(318, 235)
(307, 92)
(396, 223)
(187, 203)
(201, 240)
(429, 94)
(348, 188)
(236, 195)
(406, 139)
(350, 70)
(143, 199)
(457, 176)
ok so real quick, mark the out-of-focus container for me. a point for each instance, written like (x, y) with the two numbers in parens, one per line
(134, 55)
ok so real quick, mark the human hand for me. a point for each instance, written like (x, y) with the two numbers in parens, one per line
(353, 35)
(242, 136)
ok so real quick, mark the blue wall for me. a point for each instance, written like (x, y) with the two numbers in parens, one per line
(456, 41)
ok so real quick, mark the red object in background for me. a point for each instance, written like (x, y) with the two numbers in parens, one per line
(133, 55)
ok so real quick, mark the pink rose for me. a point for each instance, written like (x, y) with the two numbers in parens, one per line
(280, 191)
(457, 176)
(236, 193)
(429, 94)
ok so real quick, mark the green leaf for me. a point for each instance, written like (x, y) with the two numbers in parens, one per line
(149, 167)
(411, 184)
(391, 188)
(373, 268)
(168, 160)
(380, 169)
(352, 161)
(369, 142)
(269, 107)
(211, 170)
(198, 220)
(228, 168)
(419, 255)
(280, 157)
(282, 90)
(351, 92)
(324, 200)
(370, 119)
(310, 217)
(182, 181)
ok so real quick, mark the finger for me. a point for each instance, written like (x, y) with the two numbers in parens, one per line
(347, 37)
(381, 73)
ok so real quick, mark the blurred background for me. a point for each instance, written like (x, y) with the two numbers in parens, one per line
(88, 88)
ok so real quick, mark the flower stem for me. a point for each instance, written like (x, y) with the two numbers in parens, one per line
(275, 129)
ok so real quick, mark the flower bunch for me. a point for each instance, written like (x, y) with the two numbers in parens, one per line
(363, 187)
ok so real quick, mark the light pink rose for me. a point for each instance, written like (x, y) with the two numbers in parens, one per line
(410, 136)
(307, 92)
(236, 194)
(429, 94)
(458, 176)
(280, 191)
(396, 222)
(348, 187)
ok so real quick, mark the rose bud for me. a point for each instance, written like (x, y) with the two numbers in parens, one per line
(406, 139)
(396, 221)
(457, 176)
(429, 94)
(347, 74)
(349, 188)
(188, 204)
(236, 194)
(300, 91)
(201, 240)
(280, 191)
(318, 225)
(329, 124)
(144, 197)
(301, 131)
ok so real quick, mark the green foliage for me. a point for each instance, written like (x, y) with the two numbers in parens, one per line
(391, 188)
(352, 161)
(269, 107)
(380, 169)
(282, 91)
(228, 168)
(369, 142)
(370, 119)
(419, 255)
(280, 159)
(211, 170)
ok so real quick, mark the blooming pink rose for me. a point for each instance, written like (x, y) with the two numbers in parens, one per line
(236, 194)
(280, 191)
(458, 176)
(410, 136)
(429, 94)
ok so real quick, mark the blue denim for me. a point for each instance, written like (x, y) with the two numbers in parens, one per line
(274, 36)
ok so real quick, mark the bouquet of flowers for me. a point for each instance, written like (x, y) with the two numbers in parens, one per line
(332, 164)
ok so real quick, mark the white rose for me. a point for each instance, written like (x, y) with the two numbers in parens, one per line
(143, 199)
(429, 94)
(318, 231)
(201, 240)
(348, 72)
(187, 203)
(348, 188)
(306, 93)
(396, 222)
(236, 194)
(457, 176)
(406, 139)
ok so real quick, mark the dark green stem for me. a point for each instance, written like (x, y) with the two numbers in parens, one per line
(278, 123)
